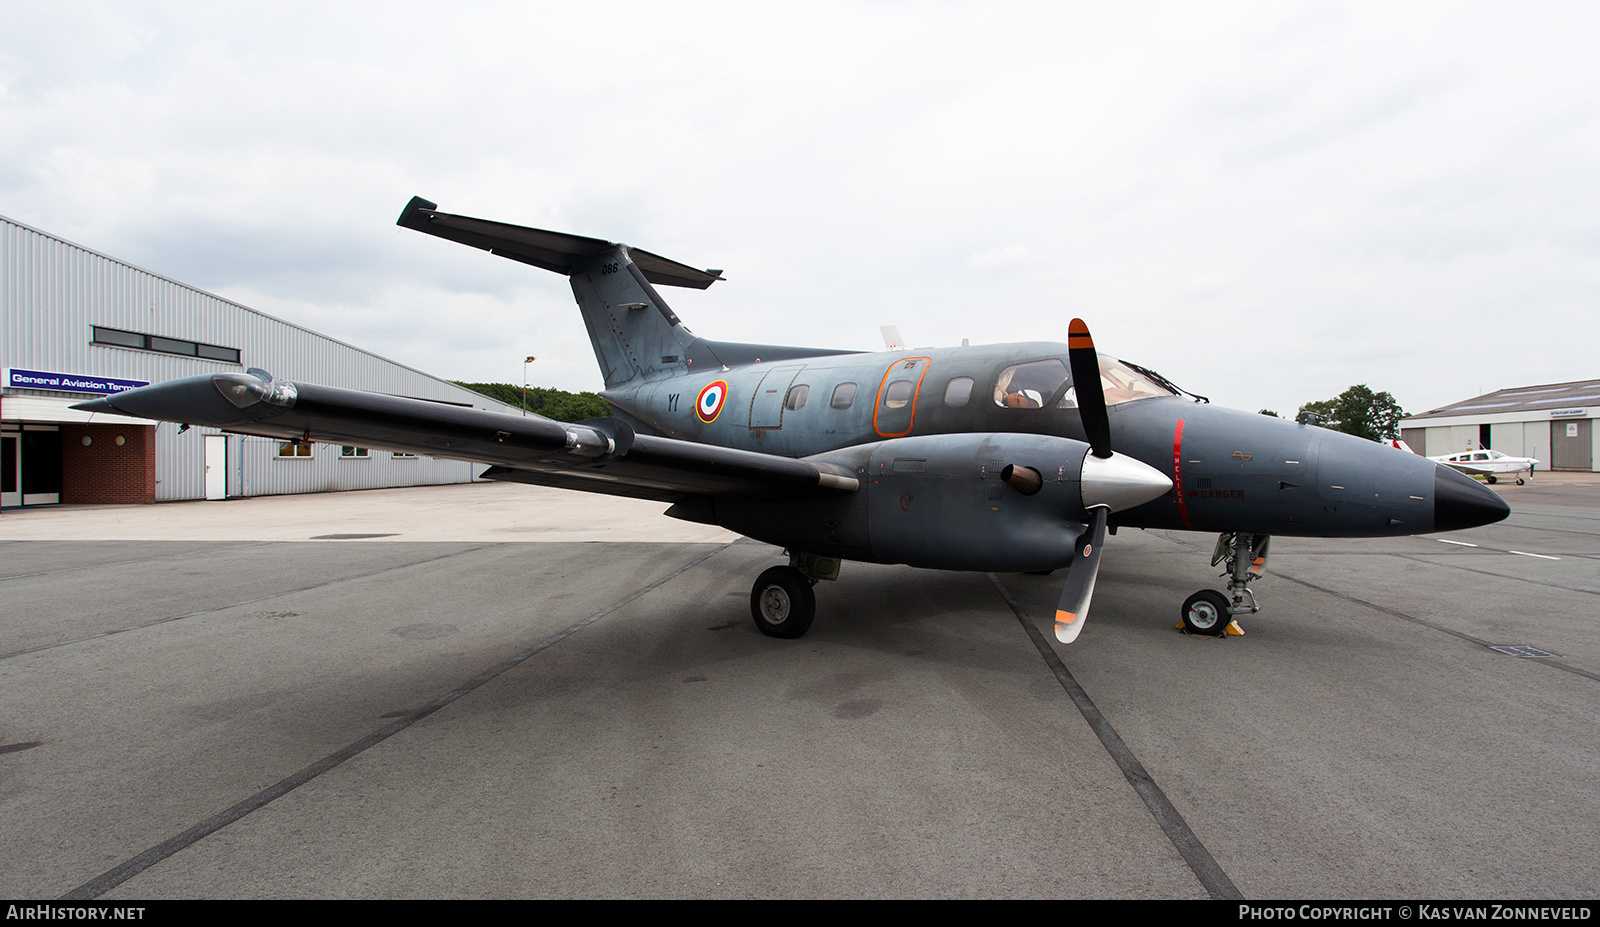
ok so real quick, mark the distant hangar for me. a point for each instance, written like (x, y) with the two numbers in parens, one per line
(75, 323)
(1553, 422)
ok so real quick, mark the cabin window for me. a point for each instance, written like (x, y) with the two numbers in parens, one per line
(1031, 386)
(843, 395)
(958, 391)
(797, 397)
(897, 394)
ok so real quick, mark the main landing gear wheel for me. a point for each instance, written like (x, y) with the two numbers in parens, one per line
(1491, 479)
(782, 602)
(1206, 613)
(1520, 481)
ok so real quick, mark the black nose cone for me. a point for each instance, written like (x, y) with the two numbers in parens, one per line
(1460, 501)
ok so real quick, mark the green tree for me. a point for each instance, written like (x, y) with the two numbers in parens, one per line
(1361, 412)
(1269, 412)
(550, 403)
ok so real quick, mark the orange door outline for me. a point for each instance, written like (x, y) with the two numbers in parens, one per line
(915, 392)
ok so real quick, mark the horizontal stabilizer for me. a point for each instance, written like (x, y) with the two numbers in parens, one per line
(557, 251)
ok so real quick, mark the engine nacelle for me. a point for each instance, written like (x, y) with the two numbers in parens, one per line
(954, 502)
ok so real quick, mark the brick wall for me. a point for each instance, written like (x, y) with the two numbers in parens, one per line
(103, 472)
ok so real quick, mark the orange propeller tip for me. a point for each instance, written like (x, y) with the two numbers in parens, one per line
(1078, 335)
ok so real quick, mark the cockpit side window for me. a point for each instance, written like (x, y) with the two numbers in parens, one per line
(1032, 385)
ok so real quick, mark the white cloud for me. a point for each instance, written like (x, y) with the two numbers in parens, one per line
(1000, 259)
(1325, 194)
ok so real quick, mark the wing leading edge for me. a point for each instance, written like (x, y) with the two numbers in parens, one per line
(598, 455)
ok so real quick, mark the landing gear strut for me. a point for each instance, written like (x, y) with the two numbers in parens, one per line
(1209, 612)
(782, 601)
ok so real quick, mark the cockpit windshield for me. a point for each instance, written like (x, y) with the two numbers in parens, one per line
(1122, 383)
(1042, 383)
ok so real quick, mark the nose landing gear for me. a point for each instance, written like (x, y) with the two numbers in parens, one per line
(1209, 613)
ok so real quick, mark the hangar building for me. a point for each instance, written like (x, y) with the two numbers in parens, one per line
(1554, 423)
(75, 324)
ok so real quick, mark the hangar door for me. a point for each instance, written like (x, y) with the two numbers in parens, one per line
(1570, 447)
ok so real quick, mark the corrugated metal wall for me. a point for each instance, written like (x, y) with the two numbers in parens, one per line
(52, 292)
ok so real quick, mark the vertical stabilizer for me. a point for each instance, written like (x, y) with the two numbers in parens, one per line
(636, 335)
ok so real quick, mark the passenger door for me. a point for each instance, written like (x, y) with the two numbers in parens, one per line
(897, 397)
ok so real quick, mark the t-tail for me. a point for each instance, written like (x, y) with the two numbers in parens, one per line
(635, 334)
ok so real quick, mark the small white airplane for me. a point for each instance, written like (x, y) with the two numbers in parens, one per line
(1487, 464)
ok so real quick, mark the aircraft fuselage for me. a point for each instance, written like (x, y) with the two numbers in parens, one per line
(1236, 471)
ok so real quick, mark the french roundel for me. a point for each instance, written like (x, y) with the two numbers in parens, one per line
(709, 403)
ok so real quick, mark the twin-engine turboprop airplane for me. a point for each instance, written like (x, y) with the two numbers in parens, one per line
(1011, 457)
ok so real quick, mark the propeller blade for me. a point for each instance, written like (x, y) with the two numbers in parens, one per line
(1073, 609)
(1085, 364)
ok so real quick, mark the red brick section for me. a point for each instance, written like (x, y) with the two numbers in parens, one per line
(102, 473)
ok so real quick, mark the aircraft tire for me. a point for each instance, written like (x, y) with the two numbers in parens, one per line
(1520, 481)
(1491, 479)
(1206, 613)
(782, 602)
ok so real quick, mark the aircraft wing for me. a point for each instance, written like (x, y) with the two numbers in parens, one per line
(598, 455)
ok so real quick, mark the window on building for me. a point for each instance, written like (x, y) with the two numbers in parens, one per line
(402, 455)
(350, 452)
(117, 337)
(294, 449)
(171, 346)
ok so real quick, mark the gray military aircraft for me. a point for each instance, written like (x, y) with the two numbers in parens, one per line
(1012, 457)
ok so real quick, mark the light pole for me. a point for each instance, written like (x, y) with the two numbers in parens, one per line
(525, 364)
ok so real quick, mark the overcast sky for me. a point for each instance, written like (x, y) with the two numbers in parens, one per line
(1267, 202)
